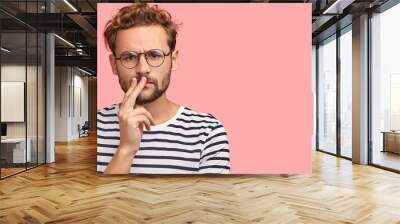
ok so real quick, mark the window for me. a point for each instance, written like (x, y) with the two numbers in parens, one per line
(346, 92)
(385, 88)
(327, 95)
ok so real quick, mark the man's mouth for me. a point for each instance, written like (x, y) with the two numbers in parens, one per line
(149, 83)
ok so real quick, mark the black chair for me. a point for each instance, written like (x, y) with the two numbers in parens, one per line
(84, 130)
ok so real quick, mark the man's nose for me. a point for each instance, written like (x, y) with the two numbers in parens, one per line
(142, 66)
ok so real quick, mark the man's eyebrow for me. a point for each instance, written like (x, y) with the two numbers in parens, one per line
(130, 50)
(125, 52)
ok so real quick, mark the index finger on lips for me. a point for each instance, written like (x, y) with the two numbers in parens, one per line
(135, 93)
(126, 102)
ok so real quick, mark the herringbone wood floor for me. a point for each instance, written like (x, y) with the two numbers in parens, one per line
(70, 191)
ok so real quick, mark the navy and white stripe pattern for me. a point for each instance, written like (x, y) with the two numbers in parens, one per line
(188, 143)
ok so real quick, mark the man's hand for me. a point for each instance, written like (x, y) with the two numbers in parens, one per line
(133, 119)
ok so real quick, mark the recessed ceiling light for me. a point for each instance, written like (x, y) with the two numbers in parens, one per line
(5, 50)
(337, 7)
(70, 5)
(84, 71)
(64, 40)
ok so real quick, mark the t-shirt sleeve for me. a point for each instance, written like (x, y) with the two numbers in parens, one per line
(214, 157)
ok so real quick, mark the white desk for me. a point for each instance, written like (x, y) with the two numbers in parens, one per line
(18, 151)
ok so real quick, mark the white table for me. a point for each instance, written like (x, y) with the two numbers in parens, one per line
(18, 149)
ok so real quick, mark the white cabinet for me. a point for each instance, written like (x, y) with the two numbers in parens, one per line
(18, 149)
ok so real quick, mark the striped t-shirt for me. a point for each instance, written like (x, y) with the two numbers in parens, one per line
(188, 143)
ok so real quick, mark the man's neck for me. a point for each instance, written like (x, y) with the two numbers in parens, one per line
(162, 109)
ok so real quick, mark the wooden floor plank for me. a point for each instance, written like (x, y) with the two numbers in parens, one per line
(70, 191)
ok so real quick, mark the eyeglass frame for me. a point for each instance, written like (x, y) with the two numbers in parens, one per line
(139, 54)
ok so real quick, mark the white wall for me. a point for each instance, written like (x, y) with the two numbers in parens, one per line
(61, 103)
(33, 127)
(80, 100)
(70, 83)
(15, 72)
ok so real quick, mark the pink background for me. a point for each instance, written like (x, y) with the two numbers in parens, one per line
(247, 64)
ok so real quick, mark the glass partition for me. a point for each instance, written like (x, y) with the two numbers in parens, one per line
(22, 88)
(327, 95)
(15, 149)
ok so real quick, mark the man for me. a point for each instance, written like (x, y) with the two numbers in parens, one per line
(146, 132)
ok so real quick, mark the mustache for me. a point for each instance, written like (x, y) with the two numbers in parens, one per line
(154, 82)
(148, 79)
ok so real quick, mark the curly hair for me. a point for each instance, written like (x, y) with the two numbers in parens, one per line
(140, 14)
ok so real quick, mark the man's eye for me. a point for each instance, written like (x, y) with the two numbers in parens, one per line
(129, 57)
(154, 55)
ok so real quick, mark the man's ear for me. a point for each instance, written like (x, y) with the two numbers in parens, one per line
(113, 64)
(175, 56)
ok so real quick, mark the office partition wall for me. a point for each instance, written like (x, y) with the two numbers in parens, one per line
(22, 76)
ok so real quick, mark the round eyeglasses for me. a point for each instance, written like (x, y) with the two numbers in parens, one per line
(154, 57)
